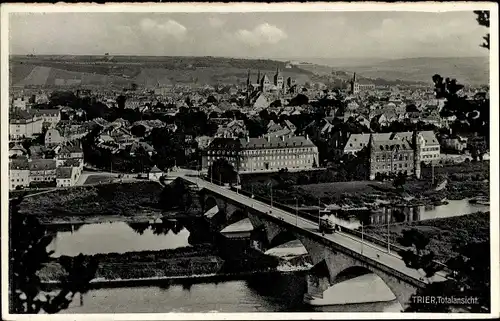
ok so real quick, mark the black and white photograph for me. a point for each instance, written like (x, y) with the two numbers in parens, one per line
(287, 160)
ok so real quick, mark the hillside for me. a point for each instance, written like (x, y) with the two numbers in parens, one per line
(469, 70)
(332, 74)
(144, 71)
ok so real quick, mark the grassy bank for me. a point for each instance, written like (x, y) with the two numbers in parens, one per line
(202, 259)
(444, 233)
(126, 199)
(465, 180)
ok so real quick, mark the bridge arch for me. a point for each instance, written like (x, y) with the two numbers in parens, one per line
(379, 287)
(208, 203)
(235, 215)
(341, 265)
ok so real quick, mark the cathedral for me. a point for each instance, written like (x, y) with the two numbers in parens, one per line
(264, 91)
(264, 84)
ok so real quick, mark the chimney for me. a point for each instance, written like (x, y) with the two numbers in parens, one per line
(283, 138)
(248, 139)
(307, 136)
(268, 138)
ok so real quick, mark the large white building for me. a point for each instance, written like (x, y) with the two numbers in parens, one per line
(19, 173)
(266, 154)
(24, 125)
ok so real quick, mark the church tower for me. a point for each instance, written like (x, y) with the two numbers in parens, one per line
(249, 85)
(371, 164)
(258, 80)
(418, 141)
(278, 80)
(354, 85)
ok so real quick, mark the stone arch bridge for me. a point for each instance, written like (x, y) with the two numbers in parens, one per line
(339, 252)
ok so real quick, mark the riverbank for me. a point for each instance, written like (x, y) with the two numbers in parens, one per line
(126, 202)
(444, 233)
(180, 279)
(145, 217)
(464, 181)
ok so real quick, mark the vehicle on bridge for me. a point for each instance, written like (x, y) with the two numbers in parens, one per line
(326, 226)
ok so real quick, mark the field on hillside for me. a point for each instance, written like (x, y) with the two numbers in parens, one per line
(470, 70)
(145, 71)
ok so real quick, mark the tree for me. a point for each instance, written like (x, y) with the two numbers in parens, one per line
(483, 18)
(222, 172)
(176, 196)
(470, 276)
(28, 241)
(299, 100)
(120, 101)
(399, 180)
(138, 130)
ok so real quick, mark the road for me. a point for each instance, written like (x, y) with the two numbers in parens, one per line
(369, 250)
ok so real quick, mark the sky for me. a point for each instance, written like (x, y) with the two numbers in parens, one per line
(389, 35)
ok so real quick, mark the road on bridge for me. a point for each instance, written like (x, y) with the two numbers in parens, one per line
(367, 249)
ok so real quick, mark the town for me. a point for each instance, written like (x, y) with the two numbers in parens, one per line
(265, 126)
(180, 182)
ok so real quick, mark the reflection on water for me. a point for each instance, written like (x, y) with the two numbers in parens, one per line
(118, 237)
(410, 214)
(453, 208)
(255, 294)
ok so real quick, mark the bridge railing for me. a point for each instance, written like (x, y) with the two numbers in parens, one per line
(314, 218)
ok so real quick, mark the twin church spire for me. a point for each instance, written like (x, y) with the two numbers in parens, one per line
(263, 82)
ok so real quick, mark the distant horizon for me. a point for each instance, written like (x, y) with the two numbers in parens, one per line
(247, 57)
(388, 35)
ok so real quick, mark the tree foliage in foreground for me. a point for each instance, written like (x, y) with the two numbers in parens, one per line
(470, 276)
(28, 241)
(223, 172)
(483, 18)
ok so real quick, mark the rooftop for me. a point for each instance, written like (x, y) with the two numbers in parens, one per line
(42, 164)
(63, 172)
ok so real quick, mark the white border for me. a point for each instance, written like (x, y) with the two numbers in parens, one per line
(257, 7)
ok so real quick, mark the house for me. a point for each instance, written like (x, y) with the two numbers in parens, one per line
(390, 156)
(456, 144)
(50, 117)
(53, 137)
(19, 103)
(155, 173)
(429, 147)
(42, 170)
(288, 124)
(75, 163)
(137, 146)
(24, 125)
(235, 128)
(66, 176)
(38, 151)
(260, 102)
(203, 141)
(17, 151)
(273, 127)
(280, 133)
(19, 173)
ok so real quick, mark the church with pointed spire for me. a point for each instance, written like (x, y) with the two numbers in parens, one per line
(264, 91)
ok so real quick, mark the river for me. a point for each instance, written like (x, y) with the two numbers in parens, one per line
(250, 294)
(420, 213)
(253, 294)
(117, 237)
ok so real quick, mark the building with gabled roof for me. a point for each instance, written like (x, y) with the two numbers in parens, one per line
(266, 154)
(23, 124)
(19, 173)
